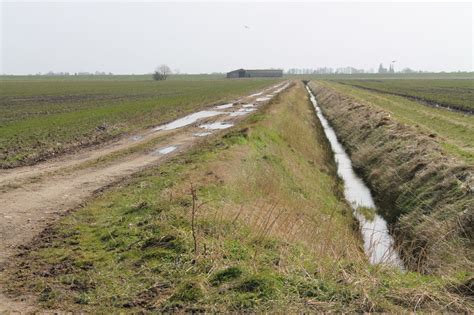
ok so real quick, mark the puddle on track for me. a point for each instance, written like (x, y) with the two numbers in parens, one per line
(217, 125)
(187, 120)
(378, 243)
(166, 150)
(136, 138)
(202, 134)
(263, 99)
(284, 86)
(235, 114)
(242, 112)
(225, 106)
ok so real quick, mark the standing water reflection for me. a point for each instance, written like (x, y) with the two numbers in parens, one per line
(378, 243)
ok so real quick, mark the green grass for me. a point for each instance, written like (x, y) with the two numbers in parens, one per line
(115, 77)
(452, 130)
(454, 93)
(43, 117)
(273, 235)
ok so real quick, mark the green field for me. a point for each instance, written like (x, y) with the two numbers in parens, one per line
(41, 117)
(453, 130)
(386, 76)
(453, 93)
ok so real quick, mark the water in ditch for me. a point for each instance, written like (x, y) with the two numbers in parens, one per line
(378, 243)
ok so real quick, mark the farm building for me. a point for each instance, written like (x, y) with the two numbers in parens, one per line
(263, 73)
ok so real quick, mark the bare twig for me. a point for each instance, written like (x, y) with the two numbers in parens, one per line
(193, 218)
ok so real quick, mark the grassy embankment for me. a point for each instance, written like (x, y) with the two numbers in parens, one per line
(272, 234)
(453, 93)
(40, 118)
(418, 162)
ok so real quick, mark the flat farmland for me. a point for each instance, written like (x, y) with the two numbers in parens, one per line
(41, 118)
(453, 93)
(453, 130)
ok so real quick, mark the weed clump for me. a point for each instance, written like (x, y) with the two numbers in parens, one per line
(167, 242)
(188, 292)
(185, 296)
(264, 285)
(228, 274)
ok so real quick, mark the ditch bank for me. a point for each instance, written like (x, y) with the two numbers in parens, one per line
(378, 243)
(426, 196)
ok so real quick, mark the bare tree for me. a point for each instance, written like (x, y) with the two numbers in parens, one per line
(162, 73)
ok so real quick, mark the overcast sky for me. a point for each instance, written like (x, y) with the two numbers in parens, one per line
(126, 37)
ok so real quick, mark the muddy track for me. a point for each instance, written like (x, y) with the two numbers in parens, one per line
(33, 197)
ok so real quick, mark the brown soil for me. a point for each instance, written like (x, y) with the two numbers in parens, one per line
(33, 197)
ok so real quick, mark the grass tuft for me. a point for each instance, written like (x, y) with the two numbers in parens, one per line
(228, 274)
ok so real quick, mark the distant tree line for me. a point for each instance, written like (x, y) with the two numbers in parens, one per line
(382, 69)
(391, 69)
(51, 73)
(326, 70)
(349, 70)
